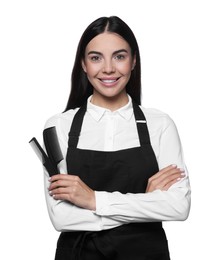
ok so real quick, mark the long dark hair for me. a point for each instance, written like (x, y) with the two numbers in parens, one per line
(81, 88)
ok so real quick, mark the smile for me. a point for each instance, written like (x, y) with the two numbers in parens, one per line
(109, 82)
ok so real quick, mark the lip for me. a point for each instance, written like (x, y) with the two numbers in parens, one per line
(109, 82)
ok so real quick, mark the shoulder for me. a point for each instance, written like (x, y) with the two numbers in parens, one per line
(157, 119)
(61, 119)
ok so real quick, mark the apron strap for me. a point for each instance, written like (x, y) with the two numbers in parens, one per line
(76, 126)
(141, 122)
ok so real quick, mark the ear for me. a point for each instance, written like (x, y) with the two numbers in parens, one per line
(83, 65)
(134, 62)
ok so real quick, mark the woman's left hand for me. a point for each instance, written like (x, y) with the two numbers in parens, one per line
(73, 189)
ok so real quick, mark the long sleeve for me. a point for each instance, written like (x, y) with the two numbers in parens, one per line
(173, 204)
(66, 216)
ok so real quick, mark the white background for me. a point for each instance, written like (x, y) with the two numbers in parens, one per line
(180, 49)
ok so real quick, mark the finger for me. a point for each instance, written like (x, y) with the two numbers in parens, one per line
(55, 177)
(57, 191)
(166, 175)
(62, 196)
(163, 180)
(59, 183)
(65, 190)
(171, 178)
(172, 173)
(170, 184)
(63, 180)
(62, 177)
(165, 170)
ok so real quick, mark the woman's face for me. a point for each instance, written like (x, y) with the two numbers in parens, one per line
(108, 63)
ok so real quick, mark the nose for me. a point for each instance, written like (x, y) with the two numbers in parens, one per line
(108, 67)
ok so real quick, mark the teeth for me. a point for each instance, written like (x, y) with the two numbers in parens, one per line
(108, 80)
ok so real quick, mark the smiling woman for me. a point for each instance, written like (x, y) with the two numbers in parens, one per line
(115, 31)
(108, 69)
(123, 172)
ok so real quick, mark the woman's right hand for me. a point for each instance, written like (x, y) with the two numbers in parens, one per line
(165, 178)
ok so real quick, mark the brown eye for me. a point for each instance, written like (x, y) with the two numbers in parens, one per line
(95, 58)
(119, 57)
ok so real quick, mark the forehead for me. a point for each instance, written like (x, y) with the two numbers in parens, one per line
(107, 41)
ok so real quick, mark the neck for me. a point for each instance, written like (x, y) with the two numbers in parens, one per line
(111, 103)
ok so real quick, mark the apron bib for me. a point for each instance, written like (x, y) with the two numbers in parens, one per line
(126, 171)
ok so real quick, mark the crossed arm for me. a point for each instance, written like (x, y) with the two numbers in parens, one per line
(73, 205)
(71, 188)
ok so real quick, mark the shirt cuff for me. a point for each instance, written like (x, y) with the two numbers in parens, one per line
(102, 203)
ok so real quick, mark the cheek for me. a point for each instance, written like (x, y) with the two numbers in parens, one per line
(124, 68)
(92, 70)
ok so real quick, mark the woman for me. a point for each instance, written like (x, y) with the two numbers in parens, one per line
(125, 165)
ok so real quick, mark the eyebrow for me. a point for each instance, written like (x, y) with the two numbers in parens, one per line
(115, 52)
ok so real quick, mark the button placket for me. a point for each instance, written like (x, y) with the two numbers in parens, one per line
(110, 132)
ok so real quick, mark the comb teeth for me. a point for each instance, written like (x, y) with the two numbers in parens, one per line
(38, 149)
(43, 156)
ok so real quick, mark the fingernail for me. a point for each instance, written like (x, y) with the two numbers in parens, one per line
(174, 165)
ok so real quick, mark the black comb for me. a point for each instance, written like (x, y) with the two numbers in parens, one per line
(52, 146)
(43, 157)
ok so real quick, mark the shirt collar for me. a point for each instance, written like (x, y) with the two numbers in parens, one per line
(97, 112)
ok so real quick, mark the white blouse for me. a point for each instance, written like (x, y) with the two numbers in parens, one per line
(116, 131)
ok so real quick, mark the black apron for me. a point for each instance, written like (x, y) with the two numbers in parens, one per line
(125, 171)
